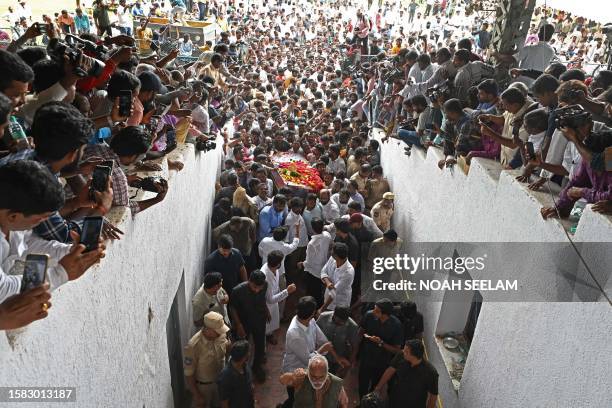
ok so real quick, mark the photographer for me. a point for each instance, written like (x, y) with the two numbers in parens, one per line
(567, 94)
(513, 132)
(594, 186)
(60, 132)
(29, 194)
(126, 148)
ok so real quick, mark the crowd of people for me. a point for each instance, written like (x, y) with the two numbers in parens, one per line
(83, 95)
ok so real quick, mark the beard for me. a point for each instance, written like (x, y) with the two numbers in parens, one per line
(317, 385)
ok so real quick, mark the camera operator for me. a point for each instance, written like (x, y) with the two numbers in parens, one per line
(568, 93)
(594, 186)
(126, 148)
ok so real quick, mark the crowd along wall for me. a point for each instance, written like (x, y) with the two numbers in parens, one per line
(106, 332)
(527, 354)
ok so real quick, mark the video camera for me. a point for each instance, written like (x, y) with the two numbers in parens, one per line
(84, 64)
(436, 91)
(205, 145)
(573, 117)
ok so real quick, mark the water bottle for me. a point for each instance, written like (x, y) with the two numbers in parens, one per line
(18, 134)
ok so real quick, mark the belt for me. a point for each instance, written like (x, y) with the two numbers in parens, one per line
(205, 383)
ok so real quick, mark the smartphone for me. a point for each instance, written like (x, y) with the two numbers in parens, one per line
(90, 234)
(153, 122)
(125, 103)
(34, 272)
(530, 150)
(42, 28)
(109, 163)
(99, 178)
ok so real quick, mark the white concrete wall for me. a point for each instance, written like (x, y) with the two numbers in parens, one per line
(524, 354)
(98, 337)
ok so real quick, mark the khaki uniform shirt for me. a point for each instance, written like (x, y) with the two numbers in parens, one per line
(382, 216)
(203, 303)
(375, 189)
(205, 358)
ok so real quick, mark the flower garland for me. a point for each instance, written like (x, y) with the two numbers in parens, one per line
(300, 172)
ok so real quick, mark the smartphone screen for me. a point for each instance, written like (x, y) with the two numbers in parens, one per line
(90, 235)
(108, 163)
(530, 150)
(35, 271)
(99, 178)
(125, 103)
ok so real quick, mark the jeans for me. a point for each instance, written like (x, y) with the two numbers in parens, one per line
(126, 30)
(202, 7)
(363, 42)
(410, 137)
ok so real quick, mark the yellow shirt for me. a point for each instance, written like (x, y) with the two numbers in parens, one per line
(144, 38)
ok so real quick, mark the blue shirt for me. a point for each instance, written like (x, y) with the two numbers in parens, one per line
(81, 23)
(269, 219)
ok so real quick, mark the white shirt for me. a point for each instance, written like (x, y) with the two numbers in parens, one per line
(342, 278)
(343, 208)
(290, 222)
(331, 211)
(273, 292)
(124, 17)
(261, 203)
(537, 56)
(12, 259)
(335, 166)
(317, 253)
(269, 244)
(301, 343)
(201, 118)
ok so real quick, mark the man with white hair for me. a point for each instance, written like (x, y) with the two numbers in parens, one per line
(322, 390)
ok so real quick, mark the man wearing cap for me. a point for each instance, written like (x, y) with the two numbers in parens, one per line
(343, 332)
(150, 85)
(204, 358)
(383, 211)
(361, 220)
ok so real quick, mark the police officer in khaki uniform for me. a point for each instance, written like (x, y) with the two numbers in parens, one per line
(204, 358)
(383, 211)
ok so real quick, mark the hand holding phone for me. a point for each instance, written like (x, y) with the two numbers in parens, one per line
(99, 179)
(125, 103)
(530, 150)
(25, 308)
(78, 260)
(35, 271)
(91, 232)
